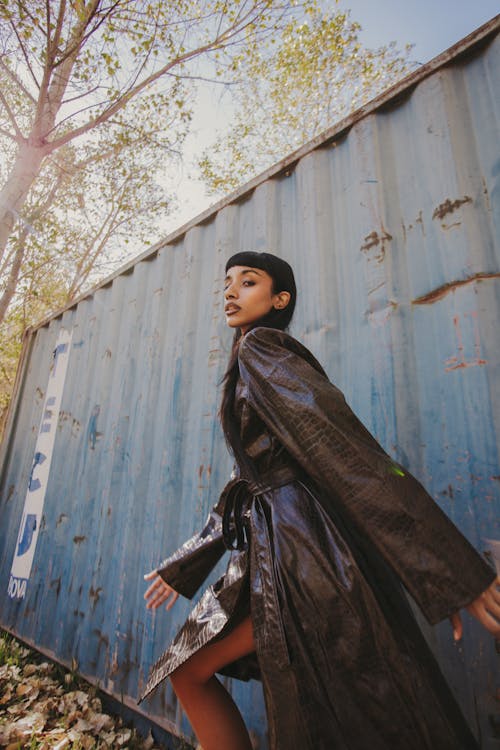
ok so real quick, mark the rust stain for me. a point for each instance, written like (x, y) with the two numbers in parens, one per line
(456, 363)
(461, 365)
(449, 206)
(413, 225)
(79, 539)
(450, 286)
(448, 492)
(94, 595)
(451, 226)
(486, 194)
(420, 220)
(376, 240)
(375, 289)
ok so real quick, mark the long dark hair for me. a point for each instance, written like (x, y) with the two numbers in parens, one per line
(283, 281)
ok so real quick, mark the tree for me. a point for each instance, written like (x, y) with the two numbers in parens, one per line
(94, 102)
(317, 73)
(78, 69)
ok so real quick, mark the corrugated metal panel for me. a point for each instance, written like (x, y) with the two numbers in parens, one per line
(392, 228)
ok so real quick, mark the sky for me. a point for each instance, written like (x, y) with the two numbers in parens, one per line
(431, 25)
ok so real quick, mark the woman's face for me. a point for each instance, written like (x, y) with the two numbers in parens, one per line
(248, 296)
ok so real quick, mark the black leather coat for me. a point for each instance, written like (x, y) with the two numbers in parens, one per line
(326, 537)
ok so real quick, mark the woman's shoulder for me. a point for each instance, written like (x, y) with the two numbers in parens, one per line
(263, 342)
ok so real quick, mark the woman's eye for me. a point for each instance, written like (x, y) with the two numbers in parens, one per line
(247, 282)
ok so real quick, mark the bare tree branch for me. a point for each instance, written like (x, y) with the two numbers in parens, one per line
(25, 54)
(17, 81)
(81, 41)
(221, 41)
(32, 18)
(8, 135)
(10, 287)
(11, 116)
(75, 98)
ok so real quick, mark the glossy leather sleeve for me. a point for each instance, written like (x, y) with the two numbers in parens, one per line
(309, 415)
(187, 568)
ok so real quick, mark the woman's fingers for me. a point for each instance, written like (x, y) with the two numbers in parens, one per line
(486, 608)
(173, 599)
(456, 622)
(159, 592)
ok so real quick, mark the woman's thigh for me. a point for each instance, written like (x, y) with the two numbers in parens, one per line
(211, 658)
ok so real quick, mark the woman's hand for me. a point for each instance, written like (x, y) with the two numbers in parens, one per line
(486, 609)
(159, 592)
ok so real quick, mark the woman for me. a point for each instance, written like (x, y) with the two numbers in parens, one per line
(324, 528)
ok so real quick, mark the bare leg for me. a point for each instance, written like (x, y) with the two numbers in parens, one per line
(211, 710)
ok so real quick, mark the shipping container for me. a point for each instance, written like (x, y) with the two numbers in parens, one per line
(113, 454)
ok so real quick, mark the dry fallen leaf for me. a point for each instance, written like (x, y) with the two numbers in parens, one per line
(38, 710)
(30, 669)
(61, 744)
(99, 721)
(6, 696)
(32, 722)
(123, 736)
(148, 742)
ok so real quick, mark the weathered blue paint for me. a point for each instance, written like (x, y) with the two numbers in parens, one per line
(391, 221)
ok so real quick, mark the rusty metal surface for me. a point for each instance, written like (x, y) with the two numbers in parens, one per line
(392, 225)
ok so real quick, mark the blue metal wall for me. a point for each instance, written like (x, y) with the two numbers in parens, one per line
(392, 225)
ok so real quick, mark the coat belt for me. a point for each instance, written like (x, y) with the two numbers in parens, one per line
(240, 495)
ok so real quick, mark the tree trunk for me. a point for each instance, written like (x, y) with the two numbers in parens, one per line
(12, 199)
(13, 279)
(17, 186)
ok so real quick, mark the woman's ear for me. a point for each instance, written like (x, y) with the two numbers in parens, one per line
(281, 300)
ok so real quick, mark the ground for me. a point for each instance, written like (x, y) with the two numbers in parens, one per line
(44, 706)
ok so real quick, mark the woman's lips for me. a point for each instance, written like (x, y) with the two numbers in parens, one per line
(231, 309)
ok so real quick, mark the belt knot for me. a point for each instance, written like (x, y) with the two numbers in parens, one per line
(233, 523)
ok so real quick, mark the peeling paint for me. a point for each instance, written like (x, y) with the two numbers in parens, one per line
(380, 316)
(450, 286)
(62, 517)
(448, 206)
(93, 434)
(79, 539)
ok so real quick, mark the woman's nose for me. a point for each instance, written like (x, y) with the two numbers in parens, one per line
(230, 292)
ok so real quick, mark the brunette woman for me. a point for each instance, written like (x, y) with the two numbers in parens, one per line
(325, 530)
